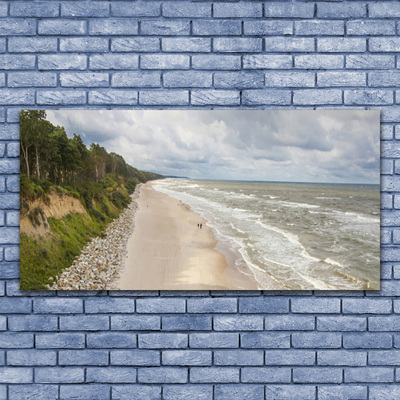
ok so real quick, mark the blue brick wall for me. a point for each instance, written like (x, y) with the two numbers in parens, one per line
(199, 345)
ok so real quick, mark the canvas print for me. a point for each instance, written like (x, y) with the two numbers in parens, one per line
(200, 199)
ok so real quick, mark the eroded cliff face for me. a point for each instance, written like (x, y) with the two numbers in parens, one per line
(34, 221)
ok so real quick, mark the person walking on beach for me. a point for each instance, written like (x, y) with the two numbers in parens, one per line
(201, 226)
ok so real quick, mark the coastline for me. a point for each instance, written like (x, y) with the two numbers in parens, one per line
(167, 251)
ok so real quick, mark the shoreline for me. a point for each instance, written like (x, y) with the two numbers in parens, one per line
(167, 251)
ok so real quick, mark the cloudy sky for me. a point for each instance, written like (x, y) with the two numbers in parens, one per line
(271, 145)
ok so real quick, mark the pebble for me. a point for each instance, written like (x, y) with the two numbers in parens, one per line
(101, 261)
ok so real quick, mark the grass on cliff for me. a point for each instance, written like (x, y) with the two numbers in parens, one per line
(47, 255)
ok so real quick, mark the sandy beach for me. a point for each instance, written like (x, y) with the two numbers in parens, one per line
(167, 250)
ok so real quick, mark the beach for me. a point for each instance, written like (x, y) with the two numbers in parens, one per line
(168, 251)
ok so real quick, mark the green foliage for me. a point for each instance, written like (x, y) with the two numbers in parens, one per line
(52, 162)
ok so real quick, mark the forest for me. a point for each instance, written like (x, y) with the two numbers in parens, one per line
(53, 164)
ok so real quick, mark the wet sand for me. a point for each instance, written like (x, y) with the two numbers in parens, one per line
(167, 251)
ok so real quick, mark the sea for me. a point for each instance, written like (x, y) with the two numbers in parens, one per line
(291, 236)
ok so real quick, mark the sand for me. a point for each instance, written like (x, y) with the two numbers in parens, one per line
(167, 251)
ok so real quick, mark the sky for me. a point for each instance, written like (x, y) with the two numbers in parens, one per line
(333, 146)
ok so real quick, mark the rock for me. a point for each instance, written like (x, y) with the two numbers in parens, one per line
(101, 261)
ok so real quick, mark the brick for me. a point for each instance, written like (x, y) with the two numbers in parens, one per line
(384, 10)
(212, 305)
(180, 9)
(57, 306)
(16, 305)
(288, 10)
(325, 306)
(110, 340)
(135, 322)
(16, 375)
(384, 357)
(13, 151)
(381, 45)
(162, 375)
(19, 26)
(216, 62)
(32, 323)
(234, 392)
(316, 340)
(60, 340)
(260, 28)
(241, 323)
(98, 392)
(36, 9)
(84, 322)
(386, 323)
(341, 323)
(84, 79)
(319, 61)
(61, 61)
(365, 27)
(347, 392)
(187, 323)
(238, 357)
(113, 61)
(109, 305)
(179, 392)
(366, 306)
(16, 340)
(368, 97)
(216, 27)
(260, 340)
(180, 98)
(32, 45)
(135, 44)
(165, 28)
(135, 357)
(37, 392)
(163, 340)
(367, 341)
(341, 11)
(113, 27)
(84, 9)
(342, 78)
(186, 79)
(14, 61)
(317, 375)
(264, 375)
(186, 357)
(214, 97)
(369, 61)
(386, 201)
(194, 45)
(8, 235)
(83, 357)
(381, 392)
(59, 375)
(237, 45)
(252, 305)
(87, 45)
(63, 97)
(316, 27)
(237, 10)
(289, 323)
(31, 357)
(368, 374)
(384, 78)
(341, 45)
(342, 358)
(61, 27)
(164, 61)
(288, 44)
(111, 375)
(214, 375)
(289, 79)
(289, 392)
(214, 340)
(262, 96)
(127, 392)
(289, 357)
